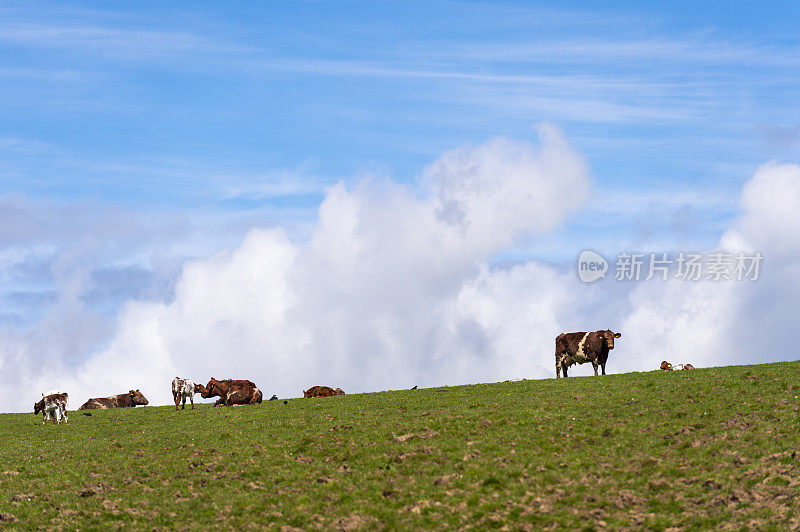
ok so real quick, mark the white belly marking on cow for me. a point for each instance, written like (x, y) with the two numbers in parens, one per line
(579, 357)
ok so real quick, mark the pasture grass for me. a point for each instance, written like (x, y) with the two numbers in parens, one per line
(706, 449)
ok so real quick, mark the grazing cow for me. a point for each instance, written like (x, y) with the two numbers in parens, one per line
(666, 366)
(181, 389)
(55, 404)
(232, 392)
(322, 391)
(581, 347)
(123, 400)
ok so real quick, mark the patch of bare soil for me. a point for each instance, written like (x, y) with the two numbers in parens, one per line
(354, 522)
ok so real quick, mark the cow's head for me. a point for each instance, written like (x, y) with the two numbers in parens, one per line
(199, 388)
(38, 407)
(608, 336)
(211, 389)
(338, 391)
(138, 398)
(666, 366)
(307, 393)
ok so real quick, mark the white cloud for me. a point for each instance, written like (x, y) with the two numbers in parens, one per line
(369, 301)
(394, 288)
(721, 323)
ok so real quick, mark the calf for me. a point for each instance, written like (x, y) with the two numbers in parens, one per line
(232, 392)
(181, 389)
(123, 400)
(666, 366)
(322, 391)
(582, 347)
(684, 367)
(55, 404)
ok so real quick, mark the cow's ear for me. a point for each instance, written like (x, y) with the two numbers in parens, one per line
(617, 335)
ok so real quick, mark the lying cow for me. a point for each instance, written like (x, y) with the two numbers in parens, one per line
(582, 347)
(232, 392)
(123, 400)
(322, 391)
(666, 366)
(54, 404)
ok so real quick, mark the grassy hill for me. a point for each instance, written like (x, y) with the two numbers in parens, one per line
(709, 448)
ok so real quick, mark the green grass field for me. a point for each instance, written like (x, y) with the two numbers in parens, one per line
(711, 448)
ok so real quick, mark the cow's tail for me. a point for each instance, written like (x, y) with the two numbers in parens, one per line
(257, 396)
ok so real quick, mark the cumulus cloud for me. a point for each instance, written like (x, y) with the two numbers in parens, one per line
(385, 293)
(396, 287)
(739, 322)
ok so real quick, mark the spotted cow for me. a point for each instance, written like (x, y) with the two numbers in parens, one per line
(183, 388)
(54, 404)
(123, 400)
(232, 392)
(582, 347)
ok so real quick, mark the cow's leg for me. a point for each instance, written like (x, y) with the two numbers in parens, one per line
(558, 370)
(177, 399)
(191, 398)
(594, 365)
(564, 367)
(66, 419)
(183, 402)
(604, 368)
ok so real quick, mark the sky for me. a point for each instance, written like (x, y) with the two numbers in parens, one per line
(377, 195)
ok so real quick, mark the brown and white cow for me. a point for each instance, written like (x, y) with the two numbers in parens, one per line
(582, 347)
(183, 388)
(232, 392)
(123, 400)
(52, 404)
(322, 391)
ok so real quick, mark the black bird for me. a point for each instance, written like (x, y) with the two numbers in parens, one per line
(414, 388)
(273, 398)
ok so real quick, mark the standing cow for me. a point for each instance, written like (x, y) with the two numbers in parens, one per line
(582, 347)
(232, 392)
(123, 400)
(183, 388)
(54, 404)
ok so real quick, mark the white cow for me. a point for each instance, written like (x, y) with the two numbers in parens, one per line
(181, 389)
(53, 404)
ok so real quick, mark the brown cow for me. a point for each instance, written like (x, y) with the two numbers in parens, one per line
(322, 391)
(232, 392)
(581, 347)
(666, 366)
(123, 400)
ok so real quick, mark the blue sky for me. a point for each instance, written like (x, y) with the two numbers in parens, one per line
(136, 137)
